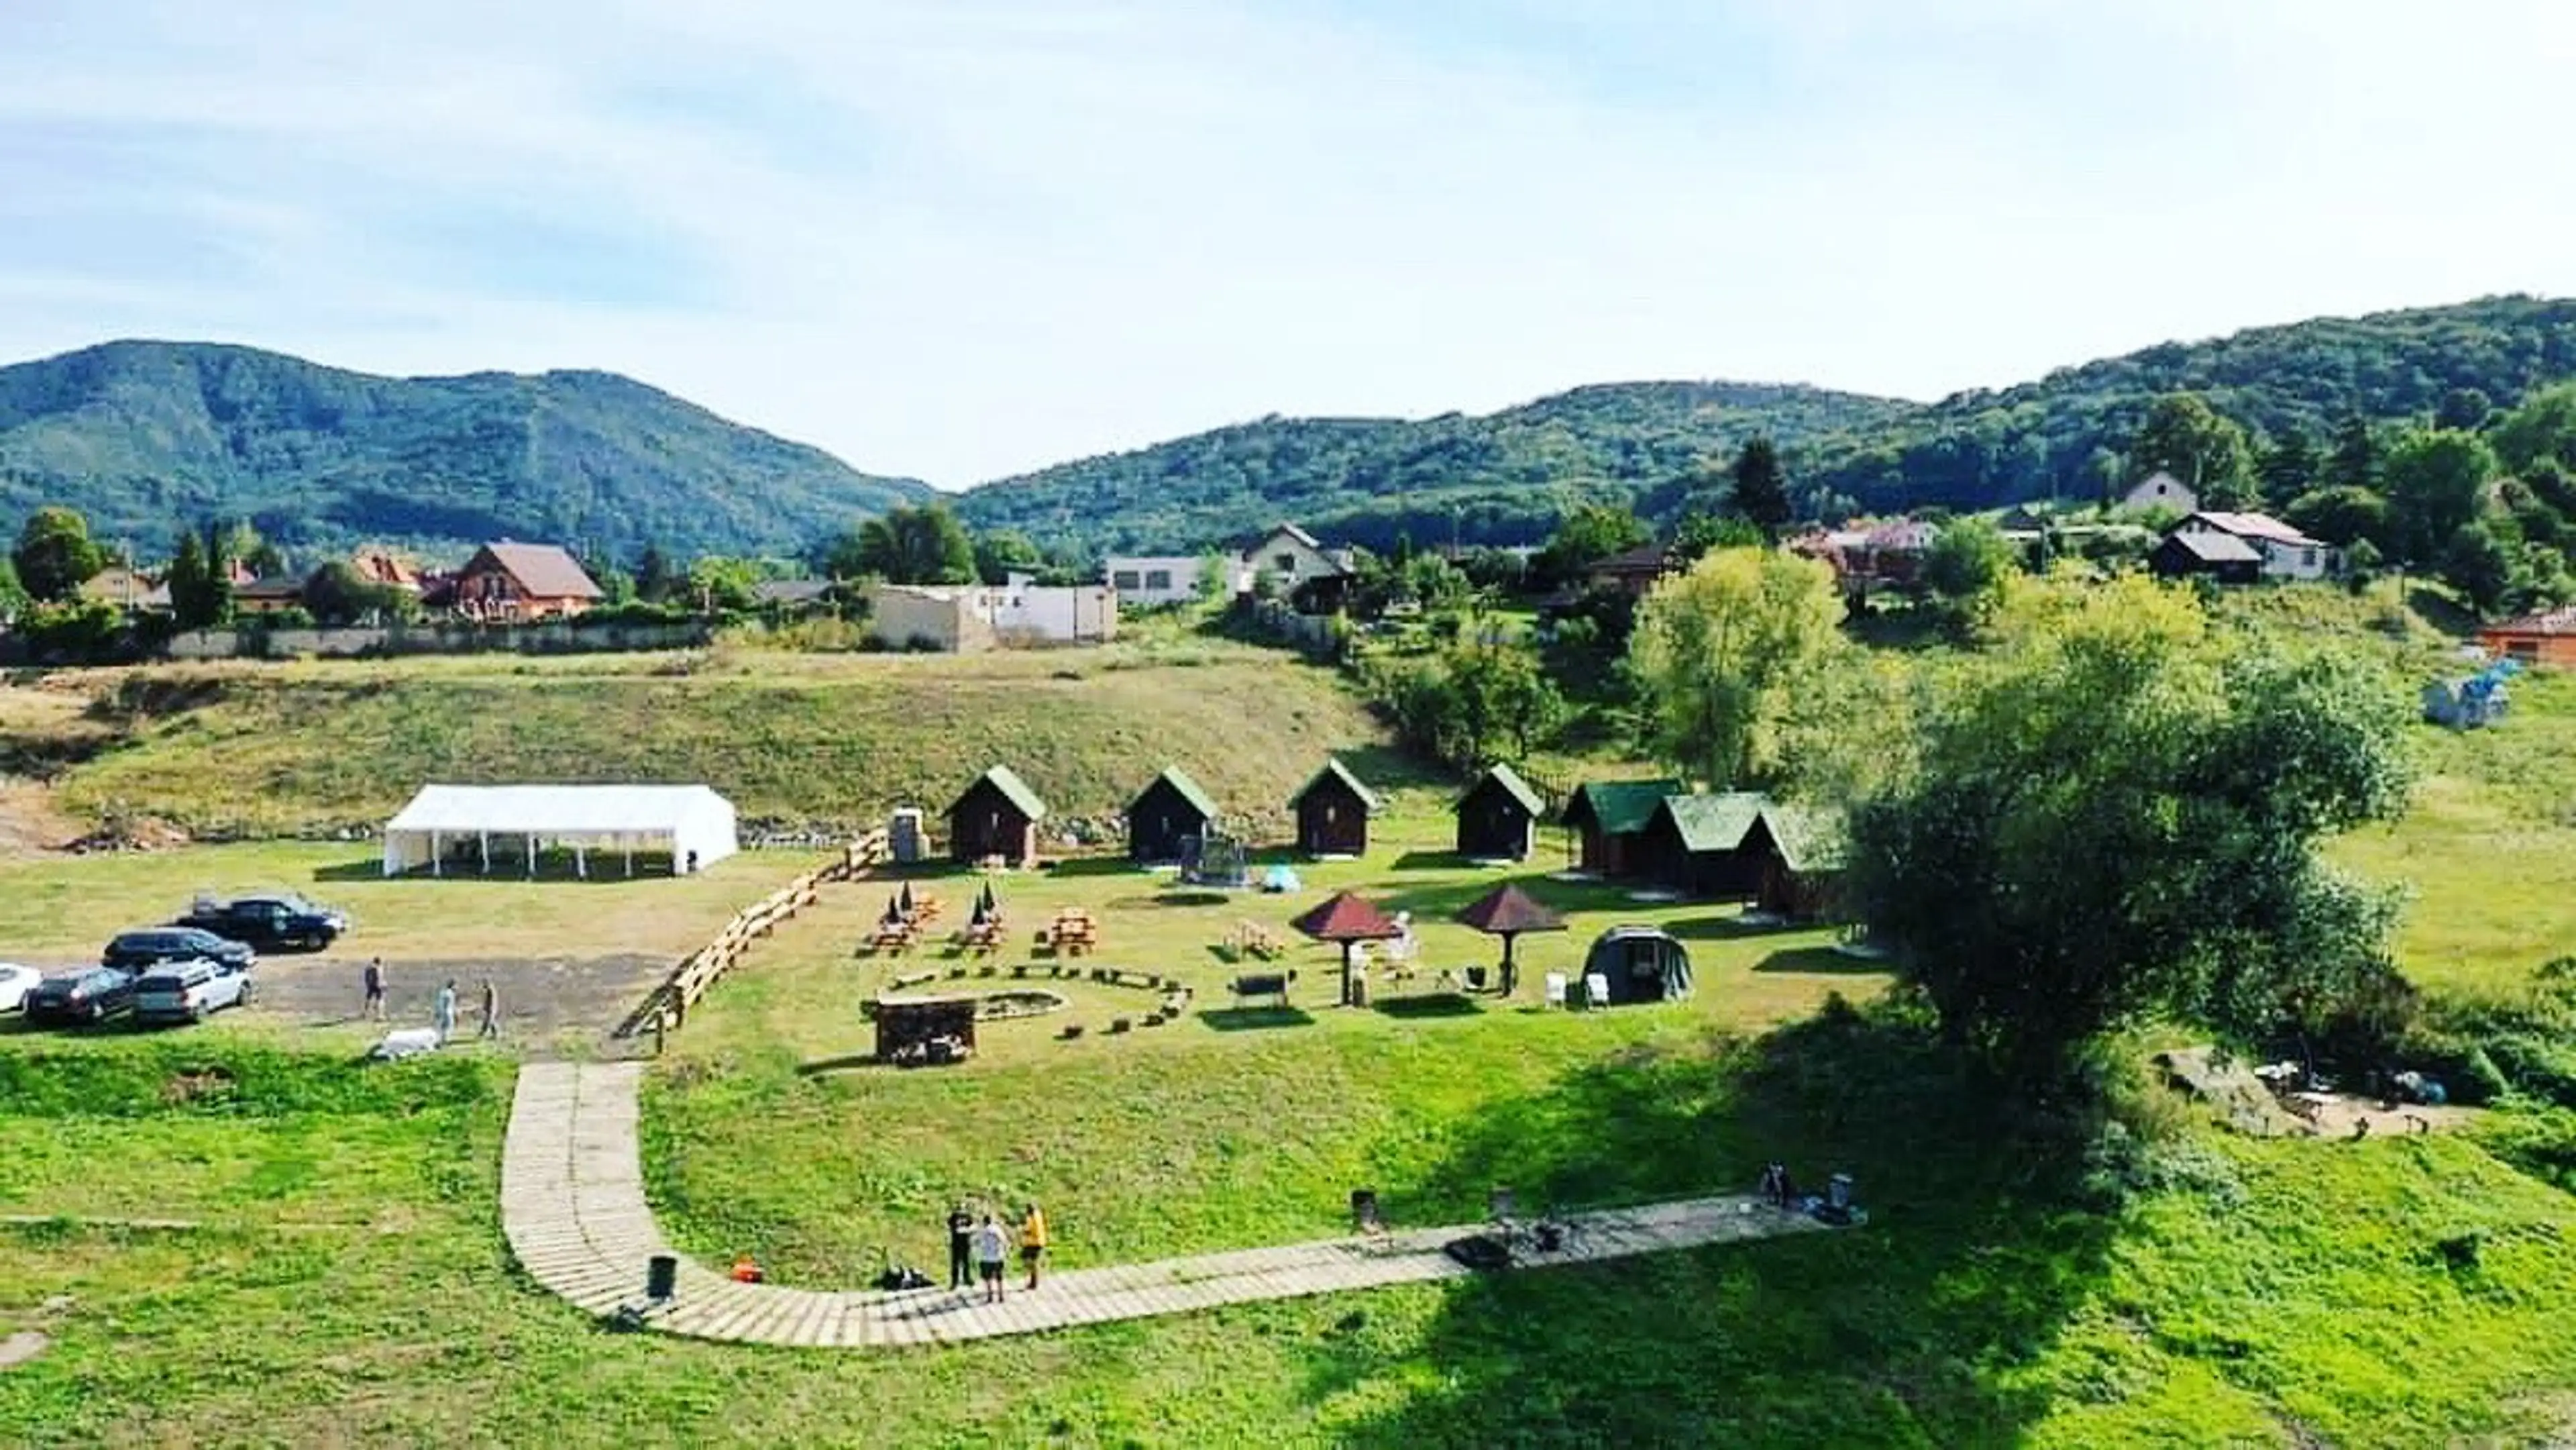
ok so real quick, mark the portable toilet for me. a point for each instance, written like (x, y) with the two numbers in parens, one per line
(904, 836)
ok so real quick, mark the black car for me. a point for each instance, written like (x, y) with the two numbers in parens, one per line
(92, 994)
(141, 951)
(268, 921)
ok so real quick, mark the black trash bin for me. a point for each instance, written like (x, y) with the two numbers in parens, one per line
(661, 1276)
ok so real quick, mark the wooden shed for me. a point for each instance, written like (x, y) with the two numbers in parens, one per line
(997, 817)
(1709, 846)
(1609, 817)
(1166, 815)
(1497, 816)
(1802, 867)
(1333, 811)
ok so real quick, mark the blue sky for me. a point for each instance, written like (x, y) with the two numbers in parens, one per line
(961, 238)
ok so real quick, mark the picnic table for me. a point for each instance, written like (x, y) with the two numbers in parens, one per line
(890, 936)
(925, 909)
(1074, 931)
(1250, 938)
(982, 936)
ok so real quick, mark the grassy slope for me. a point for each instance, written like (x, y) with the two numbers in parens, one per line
(832, 740)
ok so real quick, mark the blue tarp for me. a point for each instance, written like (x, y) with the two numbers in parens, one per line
(1281, 878)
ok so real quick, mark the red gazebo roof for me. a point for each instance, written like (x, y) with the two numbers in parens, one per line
(1508, 909)
(1347, 918)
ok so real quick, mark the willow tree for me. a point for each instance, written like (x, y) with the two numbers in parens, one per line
(1720, 652)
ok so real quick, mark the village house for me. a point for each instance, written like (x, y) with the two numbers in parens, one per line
(1865, 554)
(2222, 557)
(1333, 811)
(1146, 580)
(970, 618)
(267, 596)
(385, 569)
(127, 589)
(1498, 817)
(1309, 575)
(515, 583)
(1632, 573)
(2547, 638)
(2160, 490)
(2286, 553)
(1609, 819)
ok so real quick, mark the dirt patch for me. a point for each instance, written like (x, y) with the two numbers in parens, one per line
(130, 833)
(541, 999)
(188, 1087)
(21, 1347)
(2249, 1105)
(31, 822)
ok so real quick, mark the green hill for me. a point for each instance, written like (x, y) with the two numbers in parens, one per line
(148, 436)
(1507, 475)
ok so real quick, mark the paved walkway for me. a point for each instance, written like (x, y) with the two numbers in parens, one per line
(572, 1202)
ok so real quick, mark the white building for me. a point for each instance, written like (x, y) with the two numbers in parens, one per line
(2287, 553)
(1147, 579)
(969, 618)
(2161, 490)
(1290, 555)
(1024, 611)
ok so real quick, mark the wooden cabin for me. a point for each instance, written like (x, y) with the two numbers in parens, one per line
(1802, 869)
(1498, 816)
(1609, 818)
(997, 817)
(1710, 847)
(1166, 815)
(1333, 811)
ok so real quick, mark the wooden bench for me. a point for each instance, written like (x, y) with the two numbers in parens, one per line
(1262, 984)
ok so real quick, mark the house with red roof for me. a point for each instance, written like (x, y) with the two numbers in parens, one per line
(2547, 638)
(515, 582)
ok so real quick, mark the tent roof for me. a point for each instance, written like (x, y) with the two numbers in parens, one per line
(1180, 781)
(1347, 918)
(1622, 807)
(1511, 782)
(1335, 770)
(1507, 908)
(1715, 822)
(1013, 789)
(553, 808)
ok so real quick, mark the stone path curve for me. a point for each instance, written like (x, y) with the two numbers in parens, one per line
(572, 1204)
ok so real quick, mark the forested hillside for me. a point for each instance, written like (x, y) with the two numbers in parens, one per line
(146, 437)
(1505, 478)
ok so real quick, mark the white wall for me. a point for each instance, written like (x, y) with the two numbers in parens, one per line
(1134, 576)
(1055, 614)
(1285, 556)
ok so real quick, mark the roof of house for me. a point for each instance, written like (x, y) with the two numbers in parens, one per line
(1900, 534)
(790, 591)
(2157, 482)
(1512, 784)
(1715, 822)
(543, 571)
(270, 589)
(383, 566)
(2561, 620)
(2212, 548)
(1294, 532)
(1335, 770)
(1810, 837)
(1179, 780)
(1623, 807)
(1015, 790)
(2252, 526)
(1643, 559)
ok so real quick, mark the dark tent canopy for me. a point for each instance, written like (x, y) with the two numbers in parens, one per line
(1640, 964)
(1506, 912)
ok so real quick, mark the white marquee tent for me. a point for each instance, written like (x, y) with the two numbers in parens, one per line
(511, 824)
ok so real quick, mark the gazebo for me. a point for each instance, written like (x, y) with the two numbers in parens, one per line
(1344, 920)
(1506, 912)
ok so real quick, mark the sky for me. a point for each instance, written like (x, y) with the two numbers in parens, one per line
(960, 239)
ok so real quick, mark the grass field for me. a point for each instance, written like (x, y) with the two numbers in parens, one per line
(797, 740)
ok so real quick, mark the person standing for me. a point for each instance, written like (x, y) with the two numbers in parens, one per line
(961, 1247)
(442, 1011)
(1033, 1241)
(991, 1247)
(489, 1029)
(373, 980)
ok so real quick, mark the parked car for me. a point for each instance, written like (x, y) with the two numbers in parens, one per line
(15, 983)
(188, 991)
(90, 995)
(274, 922)
(141, 951)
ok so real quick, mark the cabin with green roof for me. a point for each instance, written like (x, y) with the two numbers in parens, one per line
(1709, 846)
(996, 820)
(1333, 811)
(1609, 817)
(1803, 868)
(1498, 816)
(1167, 815)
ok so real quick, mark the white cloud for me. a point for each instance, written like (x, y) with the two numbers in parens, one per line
(962, 239)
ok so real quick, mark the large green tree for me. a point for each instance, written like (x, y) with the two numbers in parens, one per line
(2341, 515)
(2542, 430)
(2355, 460)
(2117, 815)
(2289, 466)
(1719, 653)
(1761, 496)
(2206, 450)
(924, 545)
(1966, 569)
(1588, 534)
(1001, 553)
(55, 554)
(2435, 480)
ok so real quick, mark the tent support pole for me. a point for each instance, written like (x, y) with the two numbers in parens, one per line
(532, 855)
(581, 862)
(630, 860)
(436, 866)
(484, 840)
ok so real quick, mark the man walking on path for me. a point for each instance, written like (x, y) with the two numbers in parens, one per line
(373, 980)
(990, 1249)
(490, 1028)
(1033, 1241)
(442, 1012)
(961, 1247)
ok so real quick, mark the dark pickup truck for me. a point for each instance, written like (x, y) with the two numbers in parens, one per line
(271, 922)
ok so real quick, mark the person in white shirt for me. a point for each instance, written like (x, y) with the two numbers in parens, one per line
(992, 1250)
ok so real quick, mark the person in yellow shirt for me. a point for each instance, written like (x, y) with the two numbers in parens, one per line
(1033, 1241)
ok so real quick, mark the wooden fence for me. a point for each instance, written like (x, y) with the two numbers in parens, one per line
(669, 1005)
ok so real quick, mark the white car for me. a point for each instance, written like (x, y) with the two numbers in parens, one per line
(187, 991)
(15, 983)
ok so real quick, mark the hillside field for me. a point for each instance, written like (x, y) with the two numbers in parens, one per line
(826, 742)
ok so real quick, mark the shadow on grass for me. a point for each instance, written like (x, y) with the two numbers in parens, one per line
(1821, 962)
(822, 1065)
(1431, 1004)
(1430, 861)
(1255, 1019)
(1906, 1331)
(605, 870)
(1085, 866)
(1723, 928)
